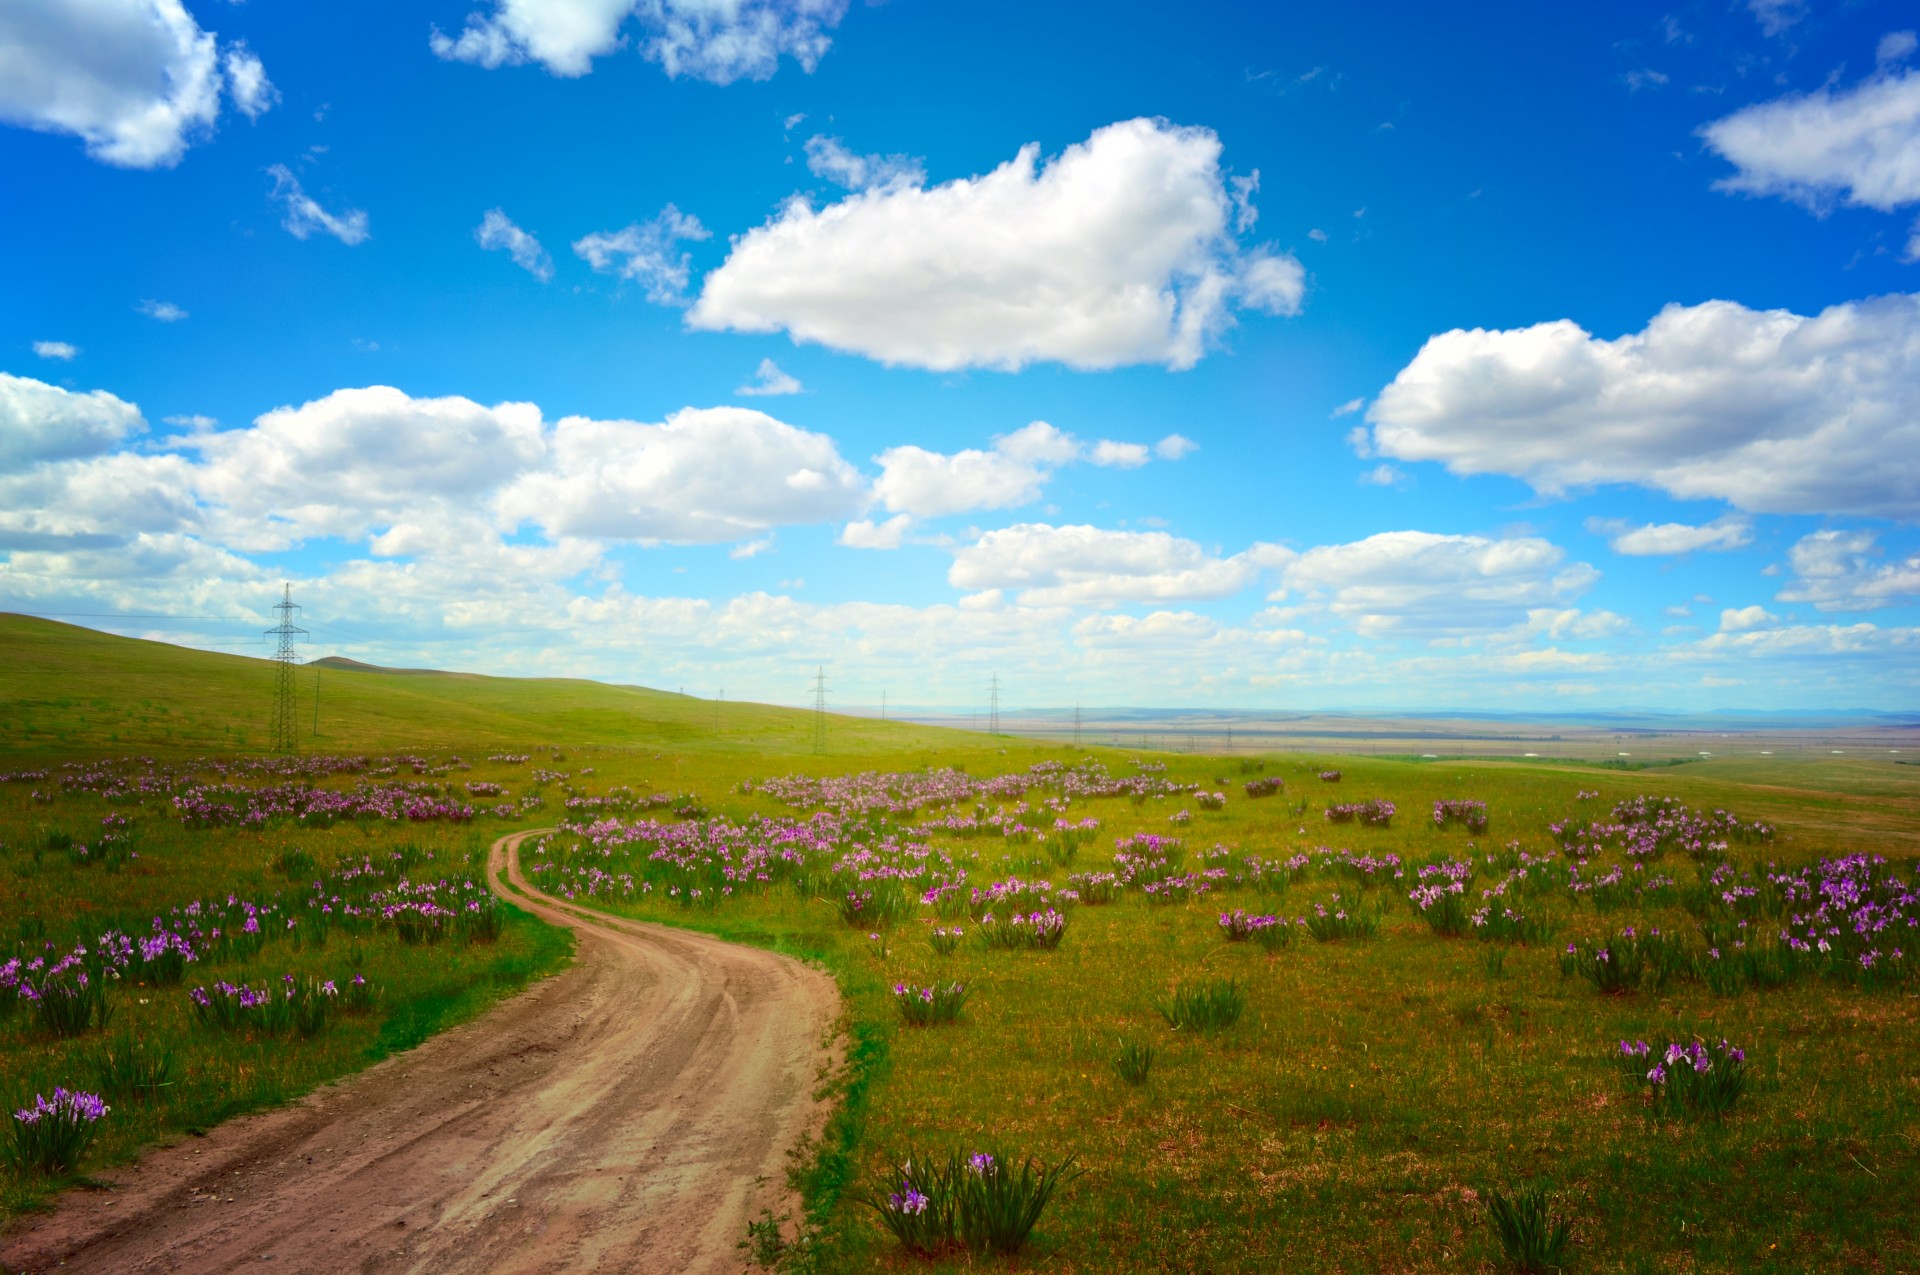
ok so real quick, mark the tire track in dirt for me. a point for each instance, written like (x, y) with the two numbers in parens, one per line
(630, 1114)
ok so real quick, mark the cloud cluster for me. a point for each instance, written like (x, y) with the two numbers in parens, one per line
(1841, 571)
(1118, 251)
(1771, 411)
(1013, 472)
(41, 422)
(407, 476)
(1089, 566)
(717, 42)
(1422, 582)
(136, 80)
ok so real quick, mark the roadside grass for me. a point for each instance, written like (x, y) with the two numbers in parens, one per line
(47, 899)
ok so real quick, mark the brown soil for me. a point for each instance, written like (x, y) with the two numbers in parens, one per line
(631, 1114)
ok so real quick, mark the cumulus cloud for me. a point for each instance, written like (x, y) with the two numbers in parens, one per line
(41, 422)
(647, 253)
(717, 42)
(705, 475)
(1841, 571)
(1742, 619)
(928, 484)
(136, 80)
(1771, 411)
(498, 233)
(1658, 539)
(828, 157)
(361, 460)
(1114, 455)
(867, 534)
(1418, 581)
(770, 382)
(64, 351)
(164, 311)
(1118, 251)
(304, 215)
(1175, 447)
(1089, 566)
(1857, 145)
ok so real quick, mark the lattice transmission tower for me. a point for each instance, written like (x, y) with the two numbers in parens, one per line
(1076, 726)
(820, 710)
(993, 707)
(284, 732)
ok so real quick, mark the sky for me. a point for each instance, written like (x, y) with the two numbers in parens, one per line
(1515, 358)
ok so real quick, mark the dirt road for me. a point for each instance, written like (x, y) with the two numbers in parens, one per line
(628, 1115)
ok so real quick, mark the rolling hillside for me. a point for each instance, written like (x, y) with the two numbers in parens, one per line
(69, 689)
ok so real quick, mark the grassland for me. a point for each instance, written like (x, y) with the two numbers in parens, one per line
(1353, 1118)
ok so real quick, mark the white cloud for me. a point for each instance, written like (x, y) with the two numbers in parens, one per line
(360, 461)
(497, 231)
(866, 534)
(304, 215)
(1114, 455)
(827, 157)
(1775, 16)
(1768, 410)
(1658, 539)
(1417, 581)
(646, 253)
(247, 82)
(1088, 566)
(719, 41)
(41, 422)
(1838, 571)
(1740, 620)
(164, 311)
(1859, 144)
(751, 548)
(1175, 447)
(704, 476)
(929, 484)
(770, 382)
(1383, 476)
(1895, 47)
(1349, 407)
(1558, 625)
(65, 351)
(1123, 254)
(1317, 235)
(136, 80)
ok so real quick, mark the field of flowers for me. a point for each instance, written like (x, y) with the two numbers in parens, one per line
(1104, 1012)
(187, 939)
(1248, 1020)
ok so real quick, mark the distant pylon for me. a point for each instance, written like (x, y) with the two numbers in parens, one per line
(1076, 726)
(284, 732)
(993, 707)
(820, 710)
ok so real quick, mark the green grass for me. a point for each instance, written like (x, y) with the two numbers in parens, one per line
(1355, 1116)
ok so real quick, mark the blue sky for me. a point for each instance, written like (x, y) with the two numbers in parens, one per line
(1369, 357)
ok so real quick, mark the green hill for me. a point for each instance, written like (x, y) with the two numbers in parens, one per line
(68, 689)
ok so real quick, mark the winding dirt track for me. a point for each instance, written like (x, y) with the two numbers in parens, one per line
(630, 1114)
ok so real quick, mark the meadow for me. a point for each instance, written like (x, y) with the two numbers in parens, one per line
(1262, 1021)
